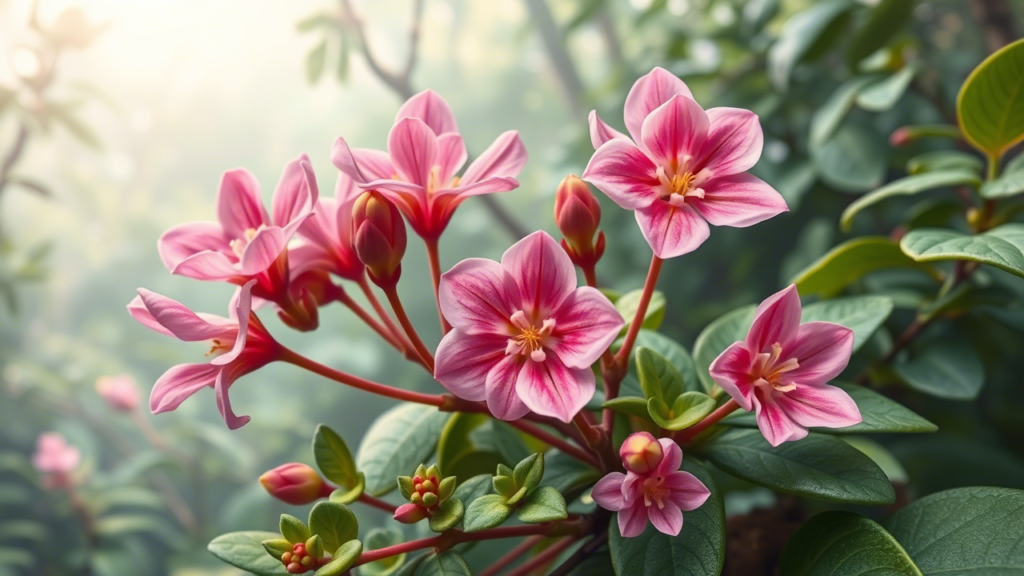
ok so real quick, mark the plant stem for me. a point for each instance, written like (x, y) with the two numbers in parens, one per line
(581, 554)
(708, 421)
(622, 358)
(396, 304)
(599, 440)
(435, 275)
(383, 314)
(511, 556)
(556, 442)
(376, 503)
(544, 558)
(589, 275)
(341, 296)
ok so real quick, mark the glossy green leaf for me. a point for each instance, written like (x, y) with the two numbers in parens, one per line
(862, 314)
(1000, 247)
(447, 516)
(545, 504)
(964, 532)
(458, 452)
(485, 512)
(383, 538)
(673, 352)
(629, 302)
(244, 550)
(398, 441)
(447, 563)
(333, 457)
(908, 186)
(334, 523)
(880, 455)
(948, 369)
(849, 262)
(342, 559)
(632, 405)
(1009, 184)
(470, 490)
(718, 336)
(818, 466)
(685, 411)
(884, 94)
(852, 160)
(990, 106)
(658, 378)
(800, 35)
(844, 543)
(944, 160)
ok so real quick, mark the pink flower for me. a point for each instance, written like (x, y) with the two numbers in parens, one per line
(652, 488)
(246, 243)
(327, 236)
(119, 392)
(425, 151)
(56, 459)
(684, 168)
(781, 369)
(240, 344)
(524, 336)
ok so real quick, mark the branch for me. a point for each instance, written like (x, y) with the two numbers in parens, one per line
(581, 554)
(400, 82)
(565, 70)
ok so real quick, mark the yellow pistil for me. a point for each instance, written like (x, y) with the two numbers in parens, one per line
(680, 183)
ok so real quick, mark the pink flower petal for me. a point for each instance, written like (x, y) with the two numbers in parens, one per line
(321, 228)
(361, 164)
(819, 405)
(488, 186)
(633, 487)
(411, 199)
(549, 388)
(241, 309)
(477, 296)
(775, 425)
(261, 252)
(670, 230)
(504, 158)
(296, 192)
(185, 240)
(224, 381)
(625, 174)
(239, 206)
(543, 272)
(413, 149)
(633, 520)
(502, 397)
(208, 265)
(668, 519)
(462, 362)
(608, 492)
(180, 382)
(822, 349)
(183, 323)
(672, 459)
(585, 326)
(687, 491)
(731, 371)
(740, 200)
(776, 321)
(429, 107)
(451, 155)
(601, 132)
(141, 314)
(650, 91)
(674, 133)
(734, 141)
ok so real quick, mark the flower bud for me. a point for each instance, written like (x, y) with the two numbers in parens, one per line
(641, 453)
(119, 392)
(410, 513)
(295, 483)
(378, 236)
(577, 214)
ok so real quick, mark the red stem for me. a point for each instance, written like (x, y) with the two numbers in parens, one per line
(449, 539)
(376, 503)
(544, 558)
(382, 313)
(708, 421)
(344, 298)
(622, 358)
(589, 274)
(435, 275)
(555, 441)
(511, 556)
(396, 304)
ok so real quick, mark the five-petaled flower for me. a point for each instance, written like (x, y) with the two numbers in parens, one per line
(524, 336)
(240, 344)
(425, 151)
(685, 167)
(653, 488)
(782, 368)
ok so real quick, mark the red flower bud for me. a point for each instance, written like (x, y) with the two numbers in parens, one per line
(641, 453)
(410, 513)
(578, 214)
(378, 236)
(295, 483)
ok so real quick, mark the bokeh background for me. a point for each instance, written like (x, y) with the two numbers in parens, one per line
(129, 128)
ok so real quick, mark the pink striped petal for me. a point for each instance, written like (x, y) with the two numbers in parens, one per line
(224, 380)
(672, 459)
(502, 396)
(451, 155)
(650, 91)
(239, 206)
(819, 405)
(822, 349)
(740, 200)
(241, 309)
(179, 320)
(776, 321)
(180, 382)
(185, 240)
(296, 192)
(731, 371)
(137, 308)
(608, 492)
(488, 186)
(504, 158)
(674, 133)
(668, 519)
(585, 326)
(413, 149)
(734, 141)
(261, 252)
(633, 520)
(775, 425)
(601, 132)
(208, 265)
(361, 164)
(687, 491)
(625, 174)
(549, 388)
(543, 272)
(670, 230)
(429, 107)
(477, 296)
(462, 362)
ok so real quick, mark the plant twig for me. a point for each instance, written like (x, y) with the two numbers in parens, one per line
(511, 556)
(581, 554)
(435, 275)
(544, 558)
(403, 319)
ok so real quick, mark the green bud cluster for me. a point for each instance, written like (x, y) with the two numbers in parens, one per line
(515, 484)
(427, 487)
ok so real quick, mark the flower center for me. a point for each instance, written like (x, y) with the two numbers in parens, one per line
(768, 370)
(681, 185)
(238, 244)
(655, 492)
(527, 338)
(219, 346)
(435, 182)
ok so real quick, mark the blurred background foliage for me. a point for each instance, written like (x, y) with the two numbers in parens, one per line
(117, 118)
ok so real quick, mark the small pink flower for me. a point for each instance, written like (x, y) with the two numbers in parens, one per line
(684, 168)
(56, 459)
(239, 343)
(246, 243)
(524, 336)
(425, 151)
(119, 392)
(652, 488)
(327, 236)
(780, 371)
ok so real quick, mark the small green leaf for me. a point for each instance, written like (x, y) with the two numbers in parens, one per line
(853, 160)
(342, 559)
(909, 186)
(333, 457)
(398, 441)
(1000, 247)
(849, 262)
(718, 336)
(542, 505)
(447, 563)
(383, 538)
(844, 543)
(505, 485)
(315, 62)
(244, 550)
(293, 529)
(687, 410)
(862, 314)
(629, 302)
(486, 512)
(947, 369)
(315, 546)
(632, 405)
(334, 523)
(884, 94)
(944, 160)
(529, 472)
(348, 496)
(990, 106)
(449, 514)
(276, 547)
(673, 352)
(1009, 184)
(658, 378)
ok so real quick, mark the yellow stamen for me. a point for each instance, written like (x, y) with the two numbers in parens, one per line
(680, 183)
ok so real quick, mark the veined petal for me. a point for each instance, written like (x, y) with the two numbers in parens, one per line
(361, 164)
(586, 324)
(241, 309)
(321, 228)
(412, 146)
(306, 257)
(451, 155)
(625, 174)
(674, 133)
(776, 426)
(668, 519)
(601, 132)
(734, 141)
(296, 192)
(820, 405)
(776, 321)
(479, 188)
(477, 296)
(672, 230)
(688, 492)
(731, 371)
(550, 388)
(262, 250)
(207, 265)
(542, 270)
(188, 239)
(633, 520)
(462, 362)
(504, 158)
(137, 308)
(650, 91)
(608, 492)
(224, 380)
(239, 206)
(429, 107)
(822, 349)
(502, 398)
(179, 383)
(672, 459)
(739, 200)
(178, 319)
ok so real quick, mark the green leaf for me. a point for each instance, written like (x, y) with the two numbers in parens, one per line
(458, 452)
(632, 405)
(849, 262)
(947, 369)
(629, 302)
(1000, 247)
(293, 529)
(333, 457)
(397, 442)
(862, 314)
(485, 512)
(830, 115)
(447, 516)
(884, 94)
(880, 455)
(470, 490)
(315, 62)
(276, 547)
(800, 34)
(342, 559)
(699, 550)
(718, 336)
(544, 504)
(990, 106)
(447, 563)
(334, 523)
(244, 550)
(964, 532)
(673, 352)
(529, 471)
(944, 160)
(658, 378)
(687, 410)
(852, 160)
(908, 186)
(885, 19)
(1009, 184)
(818, 466)
(382, 538)
(567, 474)
(347, 496)
(844, 543)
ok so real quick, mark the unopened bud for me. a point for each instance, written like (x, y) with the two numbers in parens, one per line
(295, 483)
(119, 392)
(641, 453)
(378, 236)
(578, 214)
(410, 513)
(430, 499)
